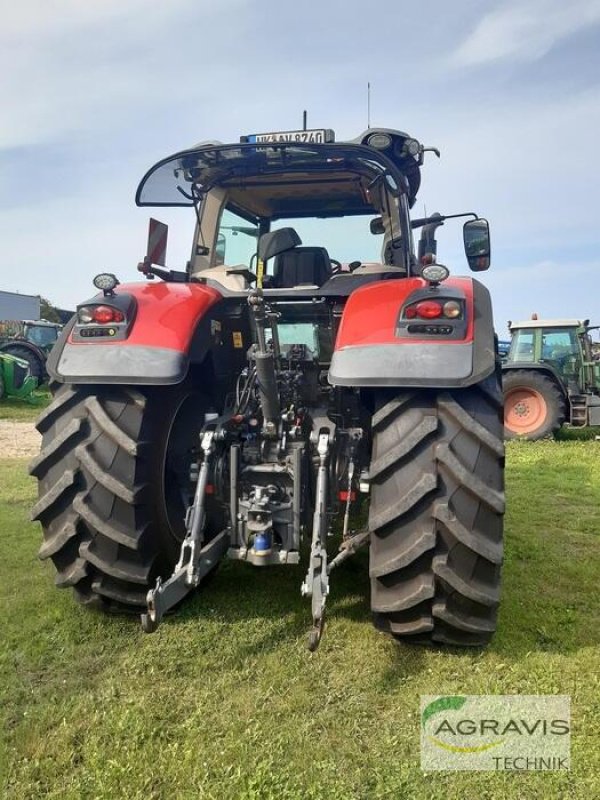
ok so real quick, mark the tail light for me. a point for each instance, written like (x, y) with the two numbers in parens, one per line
(106, 320)
(434, 309)
(442, 316)
(101, 315)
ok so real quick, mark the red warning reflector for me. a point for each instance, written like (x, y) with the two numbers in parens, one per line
(210, 488)
(344, 496)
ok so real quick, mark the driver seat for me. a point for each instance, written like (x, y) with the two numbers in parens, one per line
(293, 265)
(301, 266)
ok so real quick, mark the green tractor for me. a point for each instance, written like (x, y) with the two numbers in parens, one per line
(15, 378)
(550, 376)
(31, 341)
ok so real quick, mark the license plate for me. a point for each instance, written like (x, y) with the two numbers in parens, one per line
(315, 136)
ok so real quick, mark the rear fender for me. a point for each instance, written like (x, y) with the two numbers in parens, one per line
(373, 347)
(156, 344)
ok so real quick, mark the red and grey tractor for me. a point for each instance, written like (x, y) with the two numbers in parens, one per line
(262, 396)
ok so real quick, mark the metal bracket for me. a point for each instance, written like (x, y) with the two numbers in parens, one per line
(348, 548)
(316, 583)
(195, 560)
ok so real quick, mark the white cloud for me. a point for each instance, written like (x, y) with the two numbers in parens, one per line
(525, 30)
(70, 66)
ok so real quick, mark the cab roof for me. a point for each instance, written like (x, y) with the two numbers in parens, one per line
(287, 179)
(548, 323)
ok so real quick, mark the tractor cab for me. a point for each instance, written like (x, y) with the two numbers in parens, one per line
(41, 333)
(346, 207)
(562, 347)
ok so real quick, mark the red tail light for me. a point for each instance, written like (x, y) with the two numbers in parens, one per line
(105, 314)
(432, 309)
(428, 309)
(102, 315)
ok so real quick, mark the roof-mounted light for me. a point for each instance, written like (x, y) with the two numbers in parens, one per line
(106, 282)
(411, 147)
(435, 273)
(380, 141)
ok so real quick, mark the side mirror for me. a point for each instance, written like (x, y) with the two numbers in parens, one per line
(376, 226)
(476, 238)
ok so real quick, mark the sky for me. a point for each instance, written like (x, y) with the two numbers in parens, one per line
(93, 93)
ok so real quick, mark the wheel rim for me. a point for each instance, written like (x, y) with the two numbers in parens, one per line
(524, 410)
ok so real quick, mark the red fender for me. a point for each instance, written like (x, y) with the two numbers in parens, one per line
(166, 315)
(154, 350)
(371, 351)
(371, 314)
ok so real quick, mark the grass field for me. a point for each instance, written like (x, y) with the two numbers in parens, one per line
(226, 702)
(21, 411)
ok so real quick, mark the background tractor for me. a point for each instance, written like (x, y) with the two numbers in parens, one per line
(31, 341)
(240, 406)
(15, 378)
(550, 376)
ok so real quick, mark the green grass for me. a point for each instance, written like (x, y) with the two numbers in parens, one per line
(22, 411)
(224, 701)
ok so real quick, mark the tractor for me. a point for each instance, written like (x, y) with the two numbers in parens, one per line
(550, 376)
(15, 379)
(31, 341)
(307, 363)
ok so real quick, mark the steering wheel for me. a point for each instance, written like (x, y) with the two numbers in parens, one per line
(337, 266)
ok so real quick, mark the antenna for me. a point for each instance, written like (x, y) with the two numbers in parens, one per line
(368, 104)
(304, 119)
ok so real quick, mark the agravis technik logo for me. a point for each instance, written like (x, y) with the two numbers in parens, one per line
(495, 732)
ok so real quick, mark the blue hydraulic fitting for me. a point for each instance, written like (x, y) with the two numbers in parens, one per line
(262, 543)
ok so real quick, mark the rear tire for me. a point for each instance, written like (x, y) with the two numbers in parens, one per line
(113, 476)
(534, 406)
(437, 502)
(36, 366)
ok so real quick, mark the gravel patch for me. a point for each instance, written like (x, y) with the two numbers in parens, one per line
(18, 439)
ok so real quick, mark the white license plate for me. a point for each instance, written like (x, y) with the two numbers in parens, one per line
(316, 136)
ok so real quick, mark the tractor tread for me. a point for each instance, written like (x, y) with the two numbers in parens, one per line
(109, 427)
(111, 525)
(76, 571)
(120, 569)
(427, 425)
(388, 624)
(392, 407)
(414, 546)
(473, 589)
(463, 622)
(412, 592)
(423, 487)
(127, 598)
(479, 544)
(53, 494)
(436, 515)
(39, 463)
(56, 541)
(104, 527)
(466, 478)
(470, 424)
(105, 479)
(65, 395)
